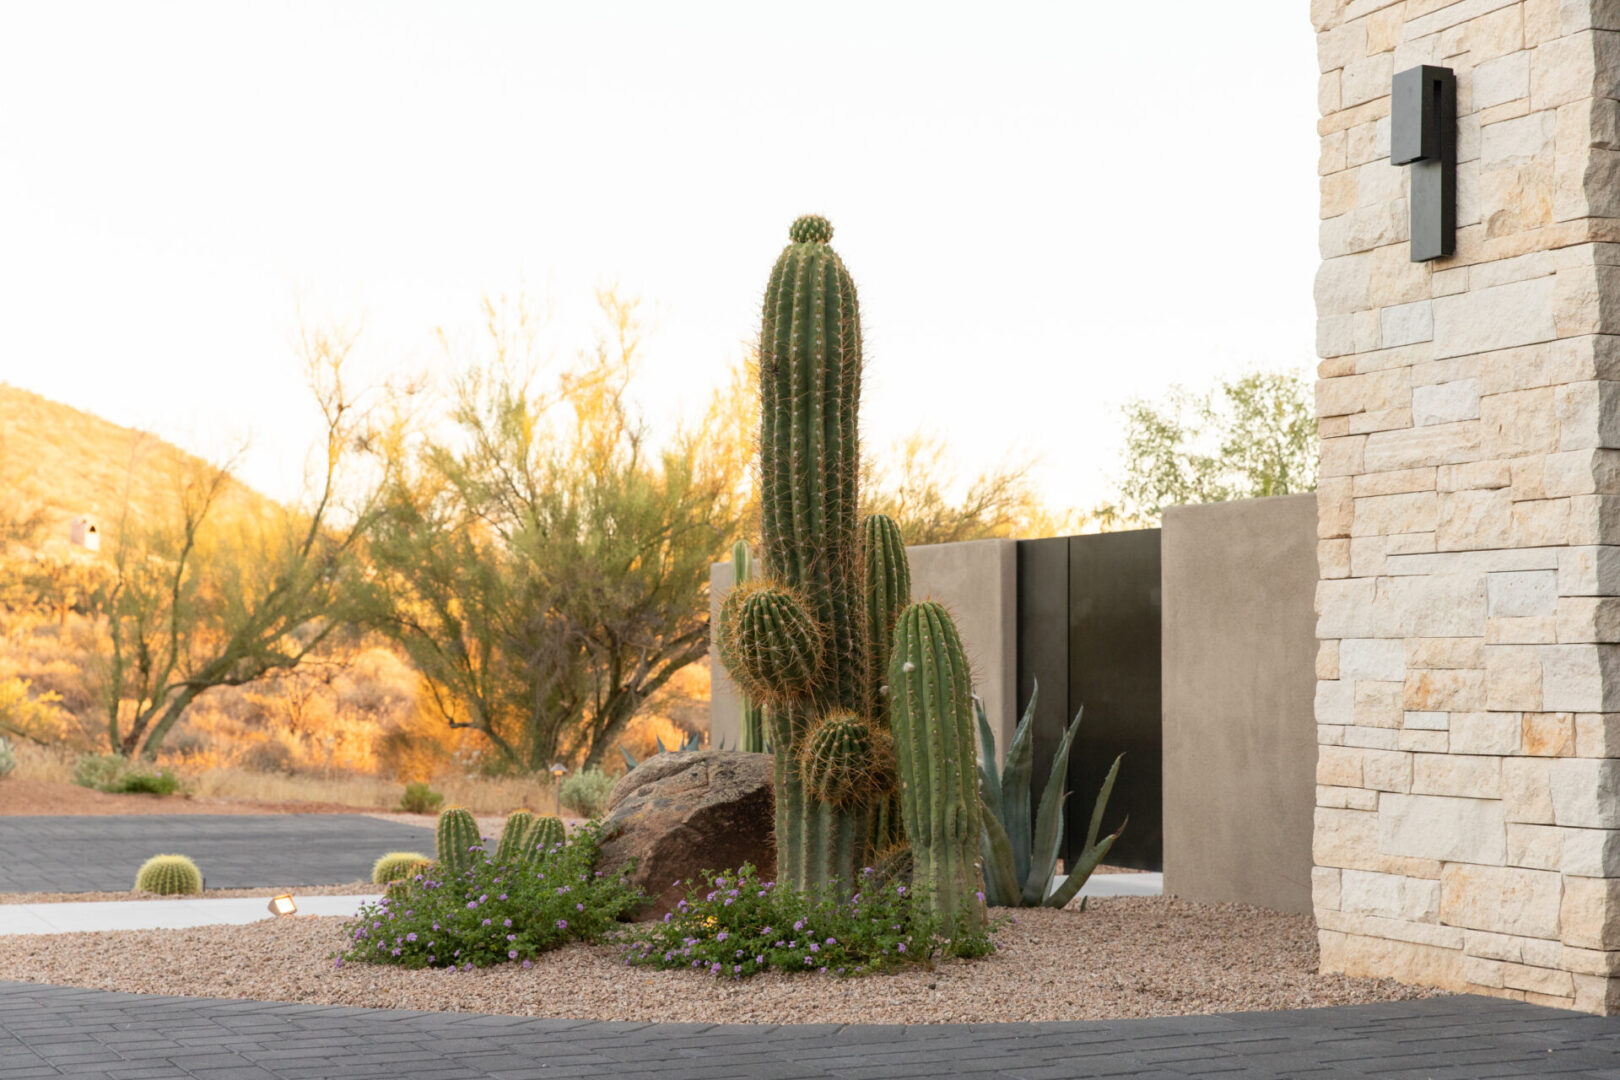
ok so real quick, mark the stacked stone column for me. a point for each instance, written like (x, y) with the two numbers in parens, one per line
(1468, 704)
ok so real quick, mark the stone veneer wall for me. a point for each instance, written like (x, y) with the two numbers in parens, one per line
(1468, 704)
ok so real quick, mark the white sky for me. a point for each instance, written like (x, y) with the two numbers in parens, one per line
(1048, 207)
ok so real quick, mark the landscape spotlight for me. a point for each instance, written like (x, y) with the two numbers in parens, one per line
(283, 905)
(558, 769)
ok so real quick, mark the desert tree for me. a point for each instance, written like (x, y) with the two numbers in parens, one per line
(222, 591)
(542, 562)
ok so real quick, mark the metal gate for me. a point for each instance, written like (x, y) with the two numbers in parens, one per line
(1089, 629)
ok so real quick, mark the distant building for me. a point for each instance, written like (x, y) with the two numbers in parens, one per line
(85, 533)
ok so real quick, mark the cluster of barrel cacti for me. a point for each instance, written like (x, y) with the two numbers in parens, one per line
(524, 836)
(169, 875)
(867, 696)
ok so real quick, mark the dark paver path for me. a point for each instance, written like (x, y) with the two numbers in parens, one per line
(101, 854)
(48, 1031)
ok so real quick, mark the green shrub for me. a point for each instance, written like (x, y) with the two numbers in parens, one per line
(493, 914)
(99, 771)
(397, 865)
(8, 758)
(142, 783)
(169, 875)
(586, 792)
(736, 925)
(419, 798)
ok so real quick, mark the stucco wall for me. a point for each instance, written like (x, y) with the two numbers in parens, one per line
(976, 581)
(1239, 728)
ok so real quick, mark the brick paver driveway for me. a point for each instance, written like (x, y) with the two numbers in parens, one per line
(101, 854)
(48, 1031)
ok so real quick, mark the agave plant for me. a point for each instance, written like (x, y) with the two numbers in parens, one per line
(688, 742)
(1020, 860)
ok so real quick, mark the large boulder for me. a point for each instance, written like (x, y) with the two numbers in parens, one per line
(679, 814)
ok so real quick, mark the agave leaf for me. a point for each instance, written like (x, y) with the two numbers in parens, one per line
(1015, 773)
(989, 772)
(1102, 804)
(629, 761)
(1083, 868)
(1049, 820)
(1000, 878)
(659, 740)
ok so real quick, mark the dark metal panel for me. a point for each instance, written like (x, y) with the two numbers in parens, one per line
(1043, 641)
(1115, 602)
(1422, 134)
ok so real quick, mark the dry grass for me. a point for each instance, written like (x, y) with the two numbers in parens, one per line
(51, 764)
(481, 794)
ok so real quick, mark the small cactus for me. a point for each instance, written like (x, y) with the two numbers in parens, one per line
(455, 837)
(845, 762)
(510, 847)
(397, 866)
(169, 875)
(544, 833)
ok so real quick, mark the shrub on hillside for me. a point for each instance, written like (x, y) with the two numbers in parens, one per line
(8, 758)
(99, 771)
(162, 782)
(586, 792)
(493, 914)
(736, 925)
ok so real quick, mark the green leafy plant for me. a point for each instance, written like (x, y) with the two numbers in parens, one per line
(169, 875)
(586, 792)
(1020, 857)
(493, 914)
(397, 865)
(163, 782)
(734, 925)
(99, 771)
(419, 798)
(8, 758)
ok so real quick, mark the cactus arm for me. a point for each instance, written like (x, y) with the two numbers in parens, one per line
(1001, 885)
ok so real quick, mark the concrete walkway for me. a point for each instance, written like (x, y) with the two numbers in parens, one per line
(94, 1035)
(234, 851)
(70, 918)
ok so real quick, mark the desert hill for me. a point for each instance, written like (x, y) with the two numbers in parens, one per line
(71, 463)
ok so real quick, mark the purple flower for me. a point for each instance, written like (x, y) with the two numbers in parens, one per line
(721, 936)
(338, 962)
(799, 925)
(411, 936)
(813, 948)
(507, 923)
(472, 905)
(832, 941)
(760, 959)
(980, 895)
(486, 922)
(562, 924)
(528, 963)
(577, 907)
(901, 946)
(511, 954)
(667, 914)
(511, 937)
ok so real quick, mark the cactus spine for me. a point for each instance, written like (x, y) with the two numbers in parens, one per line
(931, 708)
(544, 834)
(169, 875)
(509, 848)
(797, 640)
(455, 837)
(750, 713)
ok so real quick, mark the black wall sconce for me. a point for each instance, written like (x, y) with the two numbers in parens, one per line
(1423, 134)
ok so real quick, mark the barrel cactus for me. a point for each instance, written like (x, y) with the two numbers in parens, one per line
(750, 713)
(169, 875)
(544, 833)
(397, 866)
(845, 762)
(509, 848)
(455, 838)
(931, 708)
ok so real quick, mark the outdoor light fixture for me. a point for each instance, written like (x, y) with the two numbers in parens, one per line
(283, 905)
(557, 771)
(1423, 134)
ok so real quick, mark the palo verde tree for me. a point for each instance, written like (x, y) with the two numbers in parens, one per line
(220, 592)
(544, 566)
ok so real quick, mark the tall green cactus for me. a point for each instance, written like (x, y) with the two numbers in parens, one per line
(750, 713)
(797, 639)
(455, 837)
(888, 591)
(931, 709)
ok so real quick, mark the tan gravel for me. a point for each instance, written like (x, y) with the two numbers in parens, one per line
(1122, 957)
(356, 888)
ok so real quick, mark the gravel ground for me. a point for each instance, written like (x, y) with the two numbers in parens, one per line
(1122, 957)
(356, 888)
